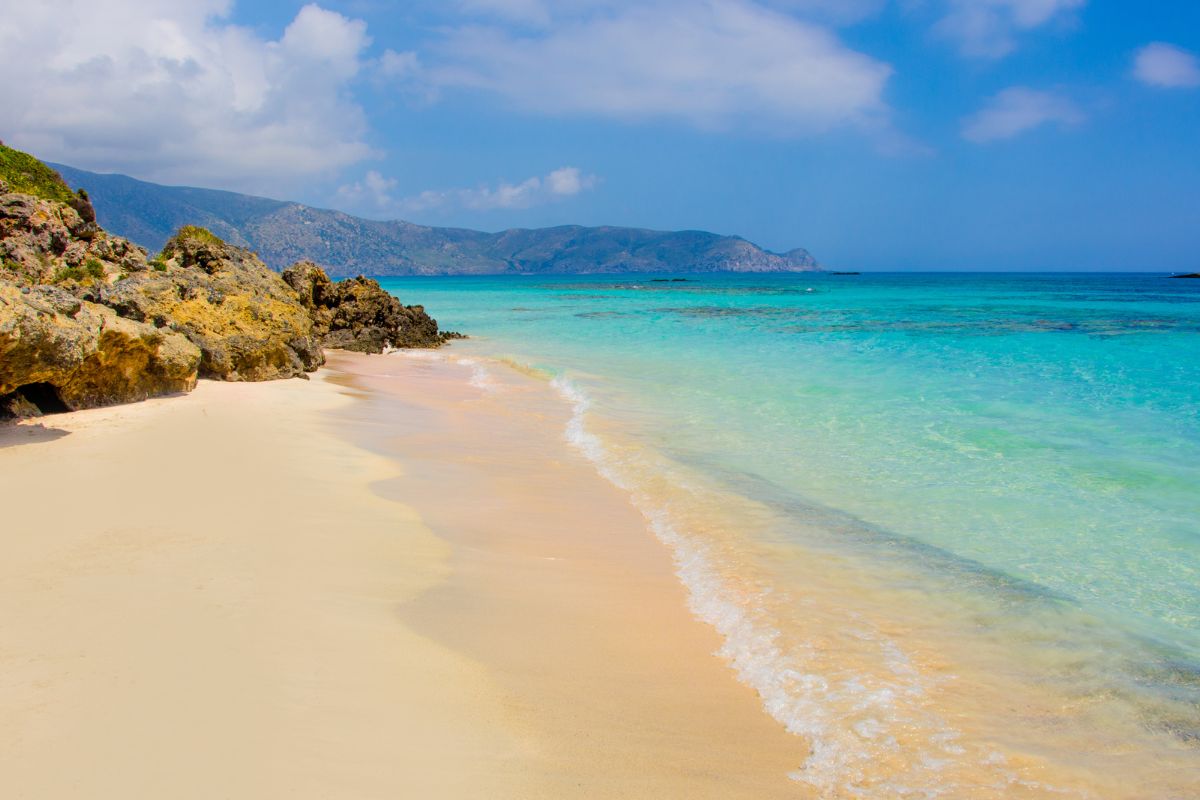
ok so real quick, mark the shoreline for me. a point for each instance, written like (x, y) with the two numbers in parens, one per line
(239, 600)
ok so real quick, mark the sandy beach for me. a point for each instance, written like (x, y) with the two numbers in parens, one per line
(388, 581)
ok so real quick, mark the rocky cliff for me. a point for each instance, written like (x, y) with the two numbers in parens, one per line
(357, 314)
(248, 323)
(88, 319)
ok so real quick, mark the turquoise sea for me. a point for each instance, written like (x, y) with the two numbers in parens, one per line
(948, 524)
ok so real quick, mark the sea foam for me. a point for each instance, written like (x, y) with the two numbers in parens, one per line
(843, 749)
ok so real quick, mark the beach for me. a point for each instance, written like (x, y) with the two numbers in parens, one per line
(386, 581)
(629, 540)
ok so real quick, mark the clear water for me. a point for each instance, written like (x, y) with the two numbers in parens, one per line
(905, 499)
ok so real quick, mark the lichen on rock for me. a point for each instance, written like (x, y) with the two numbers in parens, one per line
(246, 321)
(60, 353)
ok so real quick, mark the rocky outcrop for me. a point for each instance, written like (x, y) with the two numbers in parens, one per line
(357, 314)
(246, 321)
(60, 353)
(86, 319)
(45, 242)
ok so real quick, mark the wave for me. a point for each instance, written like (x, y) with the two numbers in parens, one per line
(852, 724)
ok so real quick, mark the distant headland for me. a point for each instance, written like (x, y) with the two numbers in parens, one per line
(282, 233)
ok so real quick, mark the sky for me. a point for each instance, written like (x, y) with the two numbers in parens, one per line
(879, 134)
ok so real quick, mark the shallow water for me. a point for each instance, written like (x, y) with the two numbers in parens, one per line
(946, 524)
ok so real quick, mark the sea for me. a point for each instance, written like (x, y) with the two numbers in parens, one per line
(947, 525)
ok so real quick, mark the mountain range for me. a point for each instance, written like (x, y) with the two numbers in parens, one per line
(283, 232)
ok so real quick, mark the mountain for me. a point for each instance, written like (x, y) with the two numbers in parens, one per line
(283, 233)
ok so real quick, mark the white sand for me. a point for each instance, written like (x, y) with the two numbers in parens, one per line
(219, 596)
(199, 600)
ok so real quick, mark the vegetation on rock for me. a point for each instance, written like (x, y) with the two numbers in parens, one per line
(246, 321)
(189, 234)
(27, 175)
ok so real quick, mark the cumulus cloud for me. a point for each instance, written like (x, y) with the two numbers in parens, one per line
(170, 91)
(1017, 110)
(713, 63)
(1166, 66)
(989, 28)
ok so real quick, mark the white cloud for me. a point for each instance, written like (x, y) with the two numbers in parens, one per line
(535, 12)
(398, 65)
(988, 28)
(375, 193)
(836, 11)
(327, 39)
(715, 64)
(1166, 66)
(1017, 110)
(567, 181)
(170, 91)
(546, 12)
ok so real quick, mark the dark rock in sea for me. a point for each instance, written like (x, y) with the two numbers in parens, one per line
(1188, 275)
(357, 314)
(247, 322)
(60, 353)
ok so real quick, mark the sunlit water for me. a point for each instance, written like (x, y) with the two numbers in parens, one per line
(948, 525)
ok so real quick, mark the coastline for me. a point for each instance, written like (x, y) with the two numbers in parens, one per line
(222, 594)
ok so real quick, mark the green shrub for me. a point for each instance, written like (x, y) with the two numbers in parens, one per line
(25, 174)
(94, 268)
(193, 233)
(69, 274)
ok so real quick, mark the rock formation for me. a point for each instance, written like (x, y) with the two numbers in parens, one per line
(243, 317)
(60, 353)
(357, 314)
(58, 350)
(86, 319)
(48, 242)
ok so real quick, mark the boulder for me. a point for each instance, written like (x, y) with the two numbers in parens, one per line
(248, 323)
(60, 353)
(357, 314)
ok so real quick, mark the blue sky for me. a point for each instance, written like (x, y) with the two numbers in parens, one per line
(880, 134)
